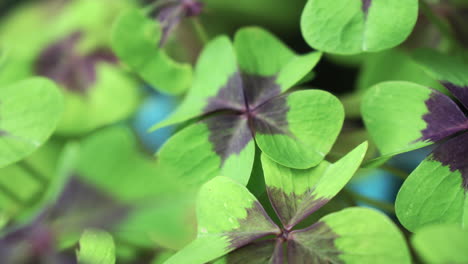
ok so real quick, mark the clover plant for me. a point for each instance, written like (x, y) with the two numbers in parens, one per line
(289, 116)
(402, 116)
(231, 221)
(240, 93)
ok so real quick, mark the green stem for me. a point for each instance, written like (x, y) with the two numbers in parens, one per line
(396, 171)
(443, 27)
(387, 207)
(200, 30)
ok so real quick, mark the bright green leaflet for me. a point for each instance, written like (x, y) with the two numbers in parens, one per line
(29, 113)
(189, 158)
(223, 210)
(344, 28)
(216, 64)
(442, 244)
(367, 236)
(443, 67)
(135, 40)
(96, 247)
(392, 112)
(261, 53)
(85, 113)
(309, 186)
(432, 194)
(314, 120)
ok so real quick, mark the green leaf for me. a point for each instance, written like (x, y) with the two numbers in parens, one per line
(96, 247)
(393, 113)
(295, 194)
(190, 156)
(434, 192)
(228, 217)
(351, 27)
(260, 53)
(314, 120)
(111, 161)
(135, 40)
(29, 113)
(358, 235)
(83, 114)
(441, 244)
(215, 66)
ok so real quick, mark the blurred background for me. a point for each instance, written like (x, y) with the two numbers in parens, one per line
(98, 168)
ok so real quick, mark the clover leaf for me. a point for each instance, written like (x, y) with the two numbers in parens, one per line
(239, 95)
(402, 116)
(29, 113)
(233, 224)
(353, 26)
(136, 41)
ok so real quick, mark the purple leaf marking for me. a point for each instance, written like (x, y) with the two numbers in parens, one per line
(247, 104)
(454, 153)
(249, 227)
(460, 92)
(289, 210)
(62, 62)
(443, 119)
(315, 244)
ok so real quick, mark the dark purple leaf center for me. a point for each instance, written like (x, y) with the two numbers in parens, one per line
(63, 63)
(242, 108)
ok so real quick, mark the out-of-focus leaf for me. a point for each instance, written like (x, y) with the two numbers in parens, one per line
(96, 247)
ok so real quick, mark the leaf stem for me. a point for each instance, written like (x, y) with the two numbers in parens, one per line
(387, 207)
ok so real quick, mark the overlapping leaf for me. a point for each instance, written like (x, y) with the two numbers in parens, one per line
(436, 191)
(350, 27)
(136, 41)
(402, 116)
(295, 194)
(29, 113)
